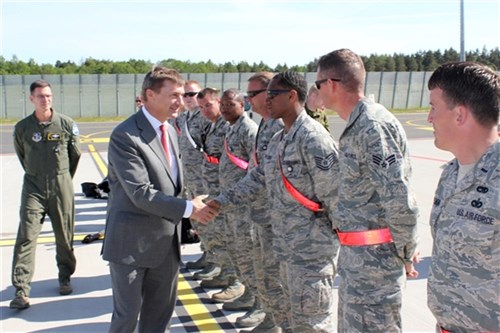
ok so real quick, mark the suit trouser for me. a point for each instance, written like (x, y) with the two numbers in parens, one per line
(37, 201)
(150, 292)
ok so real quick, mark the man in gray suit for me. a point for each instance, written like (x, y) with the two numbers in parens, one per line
(143, 226)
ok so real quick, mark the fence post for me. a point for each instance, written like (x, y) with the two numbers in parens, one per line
(366, 83)
(80, 94)
(24, 94)
(394, 90)
(409, 90)
(422, 90)
(61, 93)
(117, 94)
(99, 95)
(380, 87)
(4, 99)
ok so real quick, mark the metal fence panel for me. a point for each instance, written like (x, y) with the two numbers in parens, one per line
(109, 95)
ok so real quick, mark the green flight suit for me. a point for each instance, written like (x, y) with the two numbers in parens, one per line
(49, 155)
(320, 116)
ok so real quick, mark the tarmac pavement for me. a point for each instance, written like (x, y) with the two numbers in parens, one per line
(89, 308)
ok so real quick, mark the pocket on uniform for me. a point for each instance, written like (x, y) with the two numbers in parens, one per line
(317, 296)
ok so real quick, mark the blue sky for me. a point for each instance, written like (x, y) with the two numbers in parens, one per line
(291, 32)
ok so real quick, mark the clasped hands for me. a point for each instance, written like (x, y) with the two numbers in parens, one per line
(204, 212)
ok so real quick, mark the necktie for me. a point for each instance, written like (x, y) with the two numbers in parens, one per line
(164, 142)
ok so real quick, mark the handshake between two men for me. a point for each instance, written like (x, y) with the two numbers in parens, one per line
(204, 212)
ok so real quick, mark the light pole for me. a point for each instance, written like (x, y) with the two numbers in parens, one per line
(462, 47)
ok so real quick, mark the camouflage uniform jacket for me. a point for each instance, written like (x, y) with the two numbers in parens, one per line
(240, 139)
(198, 127)
(464, 279)
(308, 156)
(177, 123)
(259, 209)
(375, 172)
(213, 146)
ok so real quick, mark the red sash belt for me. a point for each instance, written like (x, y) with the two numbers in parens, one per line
(255, 159)
(368, 237)
(242, 164)
(442, 330)
(302, 199)
(211, 159)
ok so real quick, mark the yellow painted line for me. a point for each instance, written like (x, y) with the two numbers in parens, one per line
(422, 127)
(40, 240)
(96, 133)
(98, 160)
(96, 140)
(195, 308)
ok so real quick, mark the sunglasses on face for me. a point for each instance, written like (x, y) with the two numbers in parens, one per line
(253, 93)
(275, 92)
(320, 82)
(190, 94)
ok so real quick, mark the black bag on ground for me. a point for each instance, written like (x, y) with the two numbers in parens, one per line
(91, 190)
(104, 185)
(188, 234)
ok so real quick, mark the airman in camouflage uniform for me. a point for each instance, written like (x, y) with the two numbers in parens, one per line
(374, 200)
(215, 233)
(191, 140)
(305, 155)
(464, 284)
(238, 149)
(266, 267)
(191, 127)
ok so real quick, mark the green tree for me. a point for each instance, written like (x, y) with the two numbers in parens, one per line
(399, 60)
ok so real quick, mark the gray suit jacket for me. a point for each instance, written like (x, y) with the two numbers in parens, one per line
(144, 205)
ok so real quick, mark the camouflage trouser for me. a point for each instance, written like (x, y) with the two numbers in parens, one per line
(309, 286)
(193, 183)
(368, 318)
(370, 291)
(193, 180)
(267, 272)
(214, 233)
(240, 246)
(216, 247)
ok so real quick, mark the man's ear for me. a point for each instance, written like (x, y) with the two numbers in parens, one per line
(462, 114)
(149, 93)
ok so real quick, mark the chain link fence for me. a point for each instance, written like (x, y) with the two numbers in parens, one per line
(112, 95)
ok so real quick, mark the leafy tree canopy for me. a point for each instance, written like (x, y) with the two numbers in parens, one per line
(419, 61)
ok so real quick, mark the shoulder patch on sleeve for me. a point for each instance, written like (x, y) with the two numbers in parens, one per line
(325, 162)
(387, 162)
(75, 130)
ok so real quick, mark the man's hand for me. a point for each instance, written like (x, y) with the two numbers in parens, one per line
(202, 212)
(411, 272)
(214, 204)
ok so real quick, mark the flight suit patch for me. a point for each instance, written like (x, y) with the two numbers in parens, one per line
(37, 137)
(54, 136)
